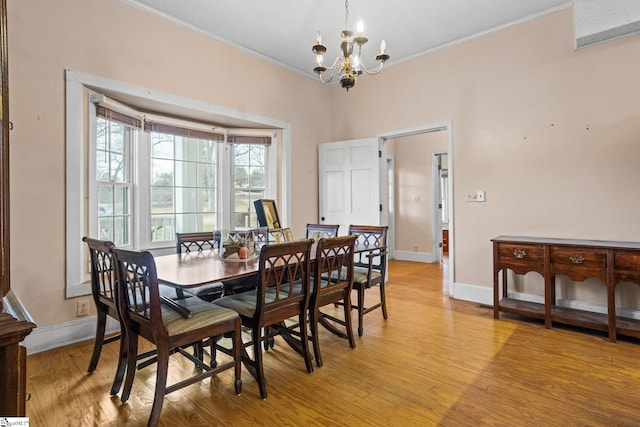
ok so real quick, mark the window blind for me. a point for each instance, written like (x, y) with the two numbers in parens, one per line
(185, 131)
(116, 116)
(249, 139)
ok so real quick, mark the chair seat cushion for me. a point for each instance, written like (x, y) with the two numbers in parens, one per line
(203, 314)
(208, 292)
(360, 275)
(323, 282)
(171, 292)
(245, 303)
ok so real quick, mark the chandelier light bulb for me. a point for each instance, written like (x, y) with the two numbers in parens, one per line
(360, 27)
(318, 38)
(383, 46)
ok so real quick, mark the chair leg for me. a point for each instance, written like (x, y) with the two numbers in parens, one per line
(198, 350)
(132, 352)
(383, 301)
(313, 323)
(122, 364)
(161, 383)
(237, 354)
(360, 310)
(213, 351)
(257, 359)
(304, 338)
(97, 345)
(347, 320)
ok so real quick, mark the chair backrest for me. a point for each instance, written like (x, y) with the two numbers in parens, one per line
(333, 265)
(371, 247)
(103, 280)
(280, 235)
(284, 280)
(318, 231)
(138, 295)
(262, 236)
(196, 242)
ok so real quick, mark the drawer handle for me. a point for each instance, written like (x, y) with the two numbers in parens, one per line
(519, 253)
(576, 259)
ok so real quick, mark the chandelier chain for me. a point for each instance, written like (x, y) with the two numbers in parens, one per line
(346, 14)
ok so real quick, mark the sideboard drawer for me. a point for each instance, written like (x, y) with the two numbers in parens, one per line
(627, 260)
(579, 257)
(519, 252)
(627, 266)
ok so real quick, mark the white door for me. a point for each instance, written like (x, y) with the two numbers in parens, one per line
(349, 183)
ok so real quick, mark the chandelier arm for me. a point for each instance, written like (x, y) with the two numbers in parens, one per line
(333, 69)
(335, 63)
(374, 72)
(328, 80)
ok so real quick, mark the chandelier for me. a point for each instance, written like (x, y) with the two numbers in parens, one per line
(348, 66)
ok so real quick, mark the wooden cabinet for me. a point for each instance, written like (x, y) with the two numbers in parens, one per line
(4, 154)
(15, 322)
(610, 262)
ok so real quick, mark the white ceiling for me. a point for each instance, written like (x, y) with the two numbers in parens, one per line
(283, 31)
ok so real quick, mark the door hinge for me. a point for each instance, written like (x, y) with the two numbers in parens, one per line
(379, 154)
(380, 207)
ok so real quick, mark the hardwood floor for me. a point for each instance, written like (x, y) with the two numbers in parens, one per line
(435, 361)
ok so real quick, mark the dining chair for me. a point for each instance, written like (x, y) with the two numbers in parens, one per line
(331, 282)
(168, 327)
(318, 231)
(370, 267)
(103, 292)
(259, 238)
(282, 293)
(280, 235)
(199, 242)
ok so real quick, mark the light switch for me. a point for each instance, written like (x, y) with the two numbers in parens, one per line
(480, 196)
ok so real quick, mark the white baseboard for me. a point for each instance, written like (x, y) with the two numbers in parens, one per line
(413, 256)
(48, 337)
(484, 295)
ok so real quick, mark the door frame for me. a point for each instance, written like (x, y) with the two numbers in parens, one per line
(428, 128)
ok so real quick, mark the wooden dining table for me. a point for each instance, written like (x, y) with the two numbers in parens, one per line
(199, 268)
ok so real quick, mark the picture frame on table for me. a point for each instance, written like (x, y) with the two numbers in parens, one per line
(267, 213)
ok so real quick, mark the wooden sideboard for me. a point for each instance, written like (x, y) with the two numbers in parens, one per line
(15, 325)
(610, 262)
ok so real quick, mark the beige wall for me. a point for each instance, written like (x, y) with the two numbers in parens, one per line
(109, 39)
(550, 133)
(413, 180)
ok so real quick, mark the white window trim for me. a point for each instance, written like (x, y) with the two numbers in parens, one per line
(77, 280)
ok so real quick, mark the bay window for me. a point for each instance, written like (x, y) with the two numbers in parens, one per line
(137, 178)
(156, 176)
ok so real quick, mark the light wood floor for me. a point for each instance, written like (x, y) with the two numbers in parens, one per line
(435, 361)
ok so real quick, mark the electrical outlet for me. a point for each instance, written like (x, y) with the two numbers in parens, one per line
(82, 308)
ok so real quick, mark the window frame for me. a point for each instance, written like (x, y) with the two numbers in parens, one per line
(93, 182)
(78, 86)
